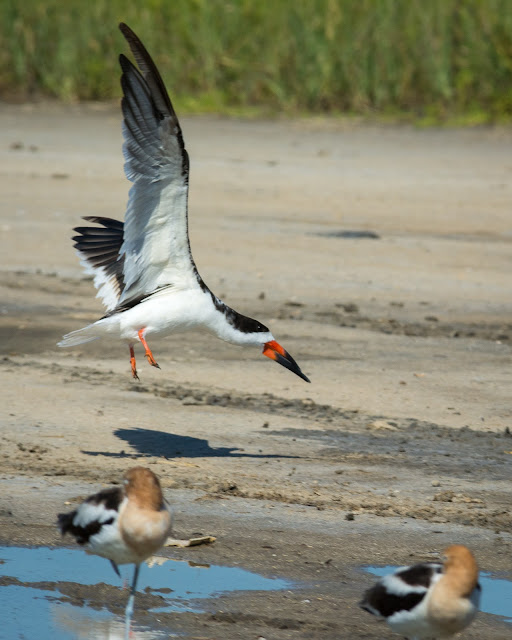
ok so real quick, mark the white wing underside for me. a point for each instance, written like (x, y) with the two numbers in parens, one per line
(104, 283)
(156, 245)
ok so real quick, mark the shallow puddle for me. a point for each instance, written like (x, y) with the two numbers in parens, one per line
(496, 592)
(27, 611)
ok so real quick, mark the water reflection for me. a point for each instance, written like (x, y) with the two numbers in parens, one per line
(32, 606)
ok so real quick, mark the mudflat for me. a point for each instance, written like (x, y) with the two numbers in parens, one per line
(380, 258)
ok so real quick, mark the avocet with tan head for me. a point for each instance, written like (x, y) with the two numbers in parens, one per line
(125, 524)
(428, 600)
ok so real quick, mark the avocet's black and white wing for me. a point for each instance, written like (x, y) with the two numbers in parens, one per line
(94, 522)
(155, 248)
(398, 593)
(94, 516)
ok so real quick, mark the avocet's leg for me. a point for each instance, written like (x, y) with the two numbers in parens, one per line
(149, 355)
(132, 363)
(129, 607)
(115, 567)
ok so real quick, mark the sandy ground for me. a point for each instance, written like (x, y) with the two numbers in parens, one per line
(402, 442)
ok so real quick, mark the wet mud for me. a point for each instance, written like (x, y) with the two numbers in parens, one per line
(402, 443)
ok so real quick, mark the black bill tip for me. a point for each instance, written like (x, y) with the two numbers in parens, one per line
(287, 361)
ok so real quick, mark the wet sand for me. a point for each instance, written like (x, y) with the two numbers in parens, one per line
(402, 443)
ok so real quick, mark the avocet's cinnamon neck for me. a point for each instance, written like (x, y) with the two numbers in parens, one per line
(143, 268)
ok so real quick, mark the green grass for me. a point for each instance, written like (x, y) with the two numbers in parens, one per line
(432, 59)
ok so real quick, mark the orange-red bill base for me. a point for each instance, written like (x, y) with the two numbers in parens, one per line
(275, 351)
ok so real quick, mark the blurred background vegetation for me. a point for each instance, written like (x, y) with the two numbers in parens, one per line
(437, 59)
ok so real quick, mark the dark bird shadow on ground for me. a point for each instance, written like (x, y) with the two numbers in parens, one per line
(150, 443)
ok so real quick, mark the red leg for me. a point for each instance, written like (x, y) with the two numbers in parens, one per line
(132, 362)
(149, 355)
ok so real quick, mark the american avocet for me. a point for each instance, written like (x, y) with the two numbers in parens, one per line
(428, 600)
(124, 524)
(143, 268)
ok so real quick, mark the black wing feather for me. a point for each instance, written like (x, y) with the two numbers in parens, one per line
(382, 600)
(101, 246)
(379, 599)
(111, 498)
(162, 105)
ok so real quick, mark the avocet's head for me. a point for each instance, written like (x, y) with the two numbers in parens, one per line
(143, 486)
(460, 562)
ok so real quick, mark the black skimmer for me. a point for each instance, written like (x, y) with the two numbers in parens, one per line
(124, 524)
(428, 600)
(143, 268)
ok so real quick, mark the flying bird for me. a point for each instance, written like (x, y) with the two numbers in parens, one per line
(124, 524)
(143, 267)
(428, 600)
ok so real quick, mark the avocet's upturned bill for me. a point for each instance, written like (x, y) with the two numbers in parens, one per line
(143, 268)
